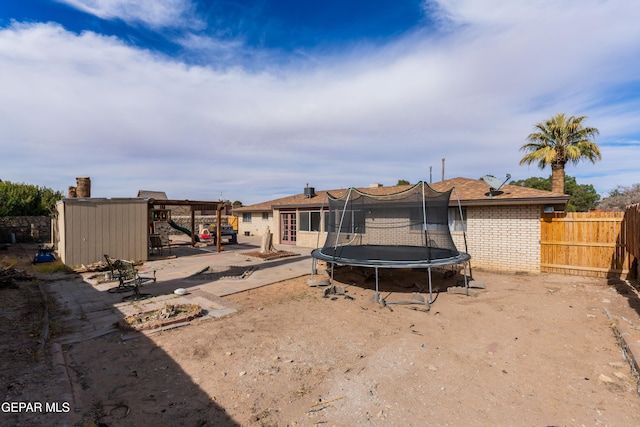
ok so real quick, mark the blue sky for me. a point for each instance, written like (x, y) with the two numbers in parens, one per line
(251, 100)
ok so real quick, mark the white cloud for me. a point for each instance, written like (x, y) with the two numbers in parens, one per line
(154, 13)
(86, 105)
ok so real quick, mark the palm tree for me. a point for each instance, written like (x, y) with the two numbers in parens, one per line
(556, 142)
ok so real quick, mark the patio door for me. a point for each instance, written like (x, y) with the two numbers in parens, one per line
(288, 228)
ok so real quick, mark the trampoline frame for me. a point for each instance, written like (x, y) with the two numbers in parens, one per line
(462, 258)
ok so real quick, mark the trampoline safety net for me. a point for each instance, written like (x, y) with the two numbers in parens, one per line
(408, 227)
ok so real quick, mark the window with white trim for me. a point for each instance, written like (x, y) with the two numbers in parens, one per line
(457, 223)
(309, 220)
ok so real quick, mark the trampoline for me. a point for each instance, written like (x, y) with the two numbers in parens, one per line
(408, 229)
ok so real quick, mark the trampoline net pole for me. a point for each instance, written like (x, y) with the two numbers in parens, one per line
(321, 219)
(464, 237)
(344, 209)
(424, 223)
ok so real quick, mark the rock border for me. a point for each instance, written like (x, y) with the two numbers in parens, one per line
(122, 324)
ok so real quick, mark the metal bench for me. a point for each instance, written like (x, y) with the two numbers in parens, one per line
(129, 279)
(123, 285)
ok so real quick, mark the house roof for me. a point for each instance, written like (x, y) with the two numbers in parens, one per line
(470, 192)
(158, 195)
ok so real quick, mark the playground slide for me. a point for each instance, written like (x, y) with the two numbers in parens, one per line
(184, 230)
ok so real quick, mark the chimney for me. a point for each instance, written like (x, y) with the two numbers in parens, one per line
(83, 187)
(309, 192)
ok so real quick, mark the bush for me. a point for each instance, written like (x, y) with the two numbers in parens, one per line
(26, 199)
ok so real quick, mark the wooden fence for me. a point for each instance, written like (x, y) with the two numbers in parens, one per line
(587, 244)
(632, 222)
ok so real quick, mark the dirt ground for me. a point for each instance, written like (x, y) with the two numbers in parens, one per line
(536, 350)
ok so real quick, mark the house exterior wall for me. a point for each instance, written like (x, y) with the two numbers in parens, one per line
(500, 238)
(258, 225)
(309, 239)
(90, 228)
(392, 225)
(503, 238)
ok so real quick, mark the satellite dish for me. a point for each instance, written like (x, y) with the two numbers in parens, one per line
(494, 184)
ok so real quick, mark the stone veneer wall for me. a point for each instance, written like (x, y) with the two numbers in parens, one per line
(26, 229)
(503, 238)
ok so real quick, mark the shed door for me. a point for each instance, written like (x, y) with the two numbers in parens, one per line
(288, 228)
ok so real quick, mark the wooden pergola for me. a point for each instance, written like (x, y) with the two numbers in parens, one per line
(193, 207)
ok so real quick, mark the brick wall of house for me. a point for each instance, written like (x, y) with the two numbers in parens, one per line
(503, 238)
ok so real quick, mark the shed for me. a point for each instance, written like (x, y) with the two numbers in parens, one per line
(88, 228)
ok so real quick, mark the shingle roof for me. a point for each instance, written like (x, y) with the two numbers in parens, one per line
(158, 195)
(468, 191)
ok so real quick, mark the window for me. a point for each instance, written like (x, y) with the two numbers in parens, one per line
(309, 220)
(265, 216)
(416, 219)
(455, 222)
(246, 217)
(353, 222)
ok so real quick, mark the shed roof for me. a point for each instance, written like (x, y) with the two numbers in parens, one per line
(470, 192)
(147, 194)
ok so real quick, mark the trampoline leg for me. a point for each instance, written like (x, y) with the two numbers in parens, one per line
(466, 281)
(430, 291)
(377, 295)
(332, 265)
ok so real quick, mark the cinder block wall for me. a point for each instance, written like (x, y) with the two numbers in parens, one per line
(503, 238)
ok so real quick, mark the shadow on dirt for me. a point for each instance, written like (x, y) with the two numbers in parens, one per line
(91, 381)
(399, 281)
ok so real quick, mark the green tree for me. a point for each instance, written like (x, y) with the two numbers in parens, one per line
(26, 199)
(556, 142)
(536, 182)
(403, 182)
(584, 197)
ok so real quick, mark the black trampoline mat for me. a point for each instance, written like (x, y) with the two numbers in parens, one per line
(390, 256)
